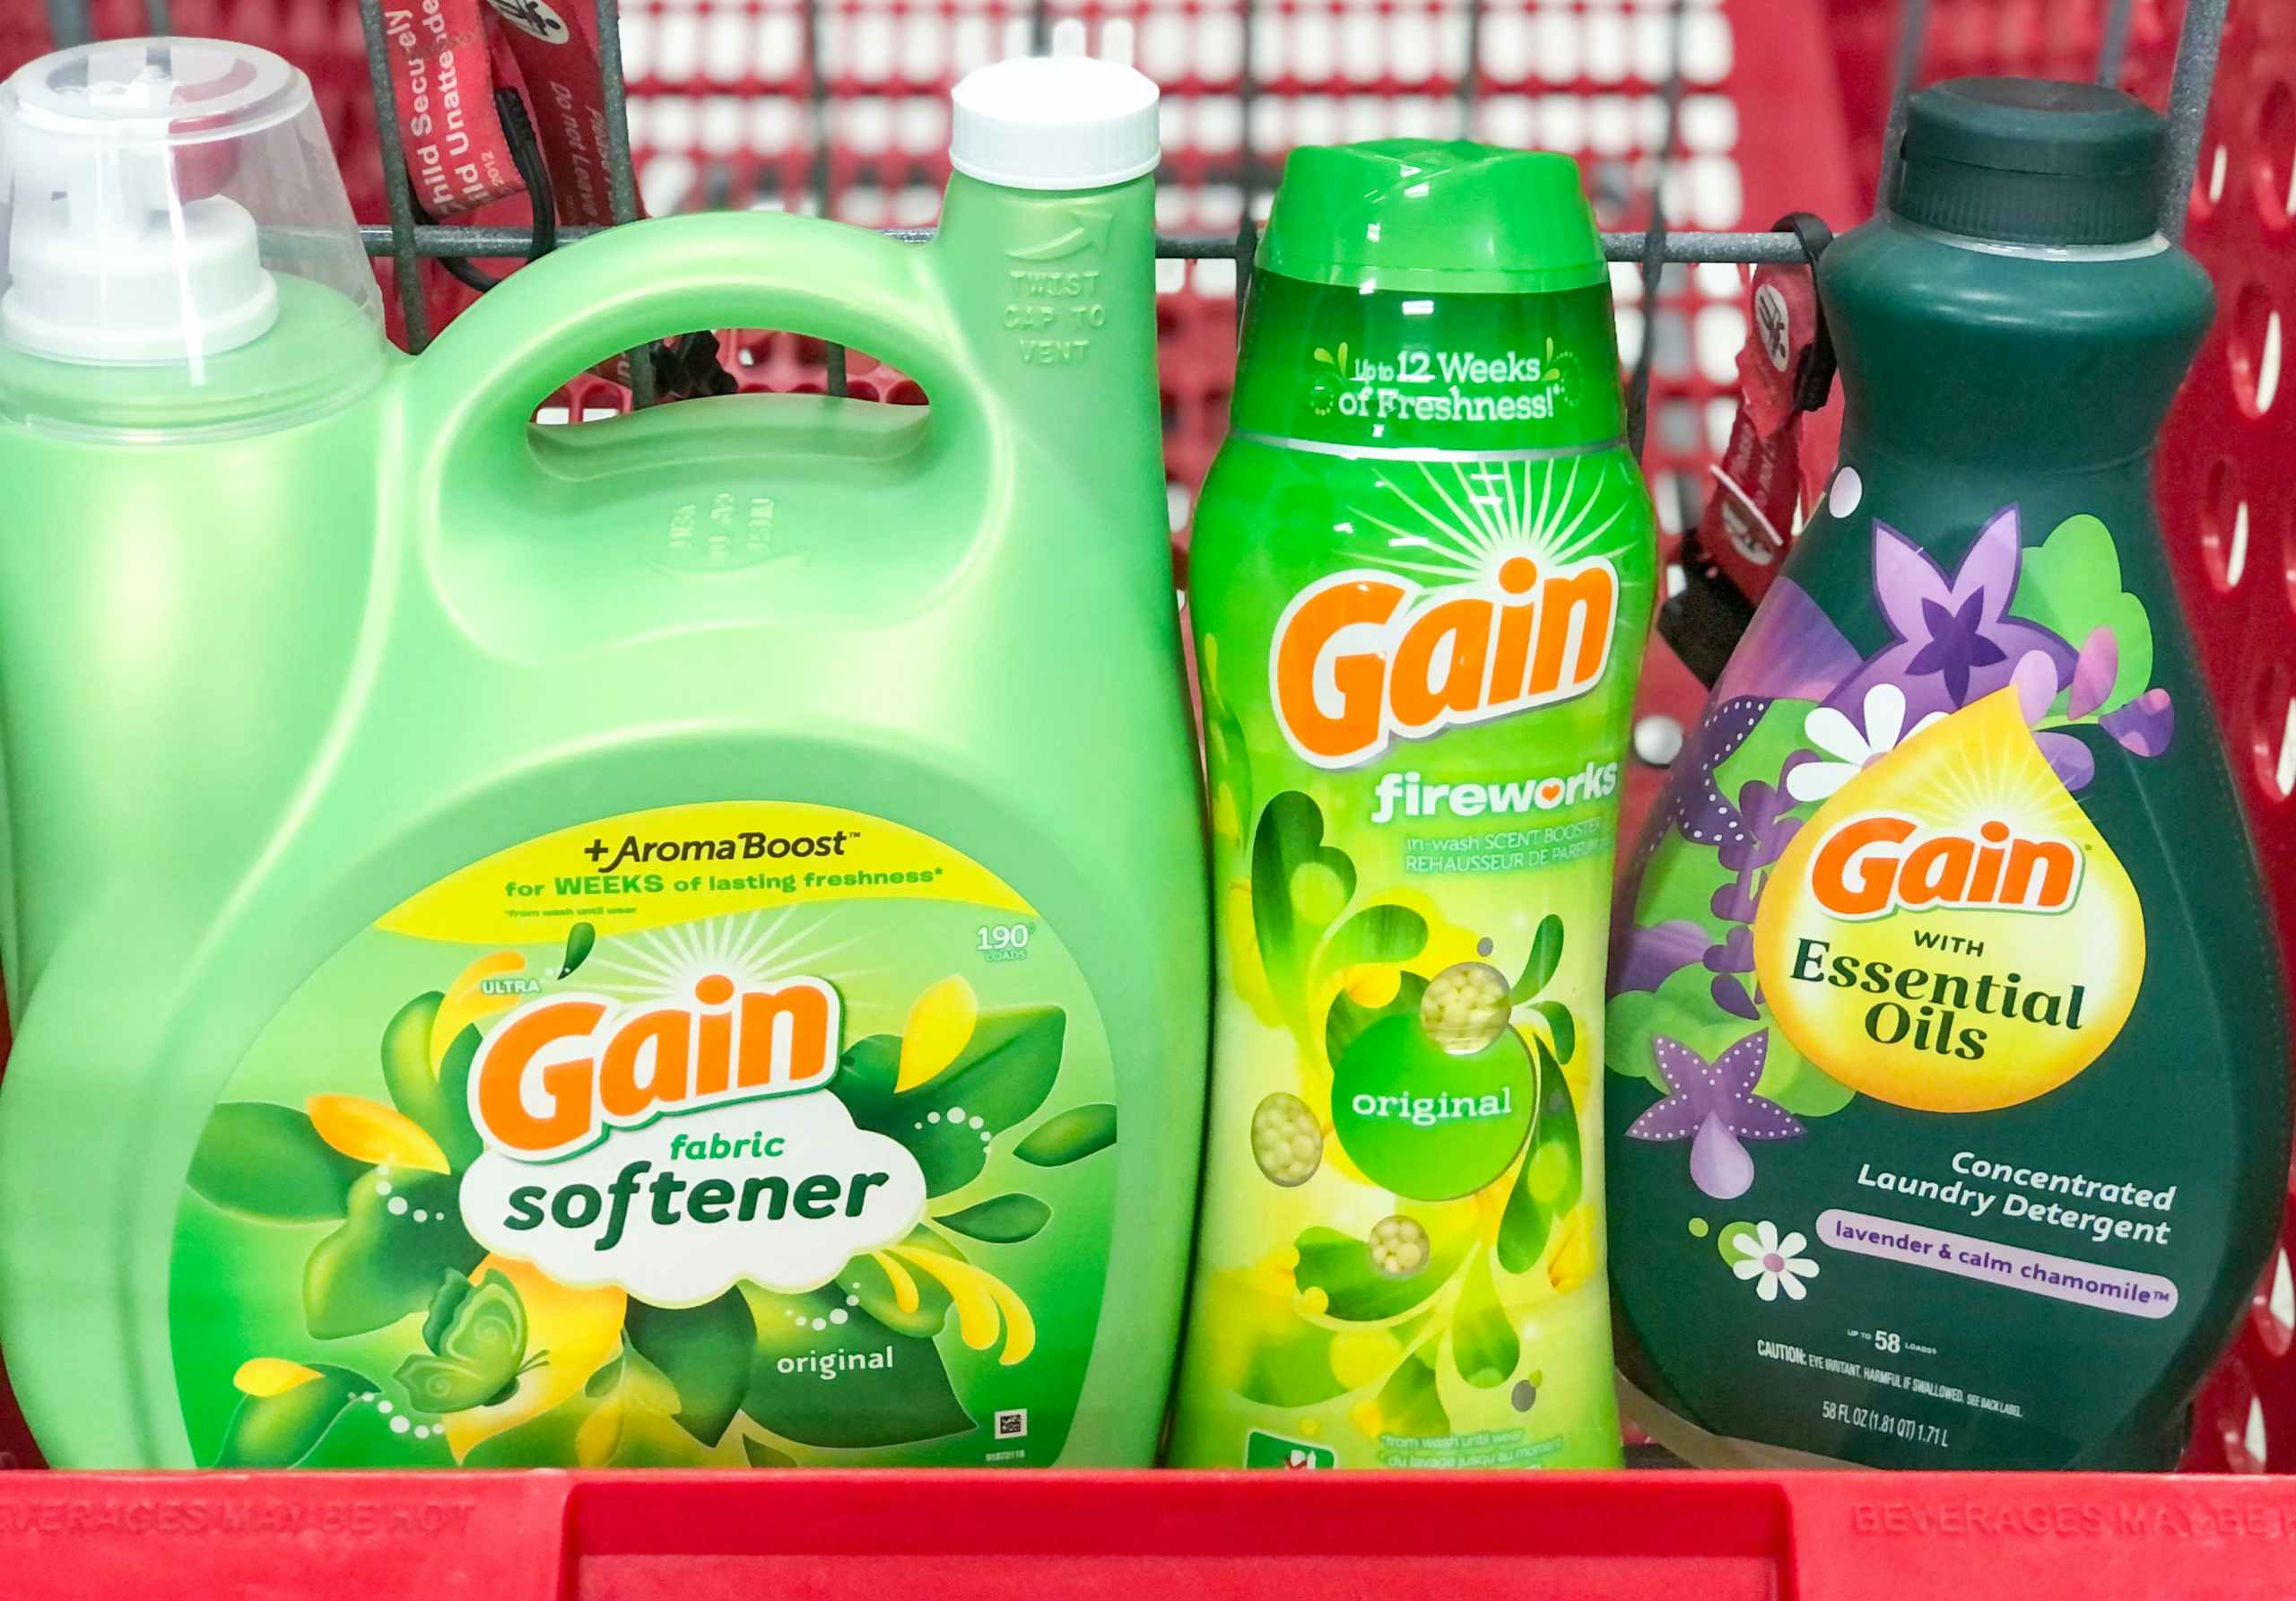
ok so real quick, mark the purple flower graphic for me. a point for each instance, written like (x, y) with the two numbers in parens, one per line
(1713, 1105)
(1955, 640)
(1957, 645)
(2144, 725)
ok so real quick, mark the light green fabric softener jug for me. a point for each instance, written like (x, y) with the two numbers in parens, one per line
(678, 941)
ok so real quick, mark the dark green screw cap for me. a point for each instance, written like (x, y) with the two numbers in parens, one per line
(2029, 162)
(1439, 216)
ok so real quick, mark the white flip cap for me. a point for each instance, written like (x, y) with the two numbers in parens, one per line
(1054, 122)
(120, 248)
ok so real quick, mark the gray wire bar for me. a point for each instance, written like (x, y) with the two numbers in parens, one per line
(2112, 52)
(621, 176)
(833, 368)
(1470, 70)
(1913, 32)
(156, 18)
(68, 23)
(399, 237)
(1654, 238)
(2197, 50)
(460, 239)
(1246, 98)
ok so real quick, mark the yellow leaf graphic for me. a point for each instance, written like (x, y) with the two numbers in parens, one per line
(904, 1287)
(940, 1025)
(466, 1003)
(265, 1376)
(1363, 1356)
(1573, 1262)
(979, 1296)
(576, 1332)
(368, 1131)
(1372, 983)
(1225, 822)
(1245, 975)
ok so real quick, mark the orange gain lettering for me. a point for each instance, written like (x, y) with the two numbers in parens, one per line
(558, 1072)
(1361, 658)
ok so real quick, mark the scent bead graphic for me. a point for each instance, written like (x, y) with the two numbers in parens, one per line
(1399, 1246)
(1287, 1141)
(1465, 1007)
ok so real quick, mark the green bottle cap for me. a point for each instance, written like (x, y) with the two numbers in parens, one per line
(1442, 216)
(2029, 162)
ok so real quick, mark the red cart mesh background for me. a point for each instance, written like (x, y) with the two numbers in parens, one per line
(841, 108)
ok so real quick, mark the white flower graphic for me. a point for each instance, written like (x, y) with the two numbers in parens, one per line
(1777, 1263)
(1853, 750)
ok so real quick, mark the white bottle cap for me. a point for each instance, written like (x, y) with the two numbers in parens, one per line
(122, 244)
(1057, 122)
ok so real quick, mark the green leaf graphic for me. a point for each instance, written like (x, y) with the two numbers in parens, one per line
(1561, 1025)
(704, 1351)
(406, 1061)
(1299, 887)
(1354, 1289)
(865, 1076)
(1546, 955)
(453, 1289)
(440, 1101)
(580, 940)
(1257, 1344)
(456, 1135)
(1228, 761)
(1001, 1078)
(1291, 1367)
(480, 1350)
(1069, 1136)
(381, 1264)
(1379, 933)
(2070, 584)
(625, 1416)
(1005, 1220)
(1681, 1008)
(1552, 1175)
(761, 1455)
(1410, 1403)
(907, 1393)
(1346, 1021)
(280, 1430)
(268, 1162)
(1484, 1346)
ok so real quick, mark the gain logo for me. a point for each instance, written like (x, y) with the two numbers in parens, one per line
(1872, 865)
(534, 18)
(1361, 658)
(558, 1072)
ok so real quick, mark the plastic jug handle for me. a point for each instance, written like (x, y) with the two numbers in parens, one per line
(480, 383)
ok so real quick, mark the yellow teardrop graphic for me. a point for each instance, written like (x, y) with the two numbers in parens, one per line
(1950, 932)
(940, 1025)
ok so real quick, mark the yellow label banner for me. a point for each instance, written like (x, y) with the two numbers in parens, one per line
(1950, 932)
(680, 864)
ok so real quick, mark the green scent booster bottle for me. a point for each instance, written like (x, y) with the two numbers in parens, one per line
(1422, 574)
(1949, 1117)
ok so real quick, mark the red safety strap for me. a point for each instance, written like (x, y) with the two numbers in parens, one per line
(446, 57)
(558, 61)
(1783, 443)
(457, 156)
(1779, 454)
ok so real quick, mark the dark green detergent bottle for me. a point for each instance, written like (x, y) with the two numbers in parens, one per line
(1951, 1111)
